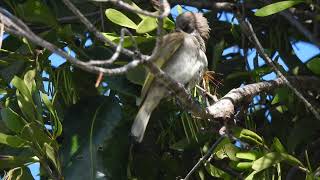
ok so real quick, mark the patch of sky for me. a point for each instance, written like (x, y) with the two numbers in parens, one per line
(305, 50)
(227, 17)
(5, 35)
(174, 10)
(57, 60)
(88, 43)
(34, 168)
(268, 115)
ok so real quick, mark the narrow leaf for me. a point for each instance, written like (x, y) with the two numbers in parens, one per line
(276, 7)
(13, 141)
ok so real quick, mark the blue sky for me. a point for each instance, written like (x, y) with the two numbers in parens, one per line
(303, 50)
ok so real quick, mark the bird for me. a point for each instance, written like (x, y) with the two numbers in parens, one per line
(182, 56)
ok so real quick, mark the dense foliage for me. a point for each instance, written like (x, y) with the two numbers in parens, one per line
(54, 115)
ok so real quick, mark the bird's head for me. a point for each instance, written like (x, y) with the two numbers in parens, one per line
(189, 22)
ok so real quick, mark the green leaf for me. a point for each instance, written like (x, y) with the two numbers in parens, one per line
(168, 24)
(12, 120)
(36, 11)
(95, 139)
(228, 151)
(27, 108)
(29, 79)
(267, 161)
(314, 65)
(122, 85)
(52, 155)
(119, 18)
(22, 87)
(179, 9)
(247, 135)
(276, 7)
(247, 155)
(137, 75)
(127, 39)
(251, 176)
(57, 129)
(244, 165)
(216, 172)
(146, 25)
(3, 92)
(278, 146)
(291, 160)
(272, 158)
(34, 132)
(7, 162)
(13, 141)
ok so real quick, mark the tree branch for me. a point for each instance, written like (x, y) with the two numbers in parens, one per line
(205, 157)
(225, 107)
(248, 30)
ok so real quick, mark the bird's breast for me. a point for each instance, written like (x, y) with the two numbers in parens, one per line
(188, 60)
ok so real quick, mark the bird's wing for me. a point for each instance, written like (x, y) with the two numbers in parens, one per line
(170, 44)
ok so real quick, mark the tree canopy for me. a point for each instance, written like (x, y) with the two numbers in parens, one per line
(254, 115)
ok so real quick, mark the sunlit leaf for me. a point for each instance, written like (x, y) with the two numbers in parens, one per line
(276, 7)
(119, 18)
(272, 158)
(247, 155)
(146, 25)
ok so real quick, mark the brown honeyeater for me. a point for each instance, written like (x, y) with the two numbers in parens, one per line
(182, 56)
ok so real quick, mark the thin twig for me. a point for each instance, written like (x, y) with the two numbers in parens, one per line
(205, 157)
(214, 98)
(93, 29)
(115, 55)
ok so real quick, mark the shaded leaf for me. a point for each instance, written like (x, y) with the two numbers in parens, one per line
(15, 161)
(57, 124)
(12, 120)
(314, 65)
(278, 146)
(216, 172)
(13, 141)
(91, 142)
(36, 11)
(50, 152)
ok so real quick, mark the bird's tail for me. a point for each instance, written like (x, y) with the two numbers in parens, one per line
(141, 121)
